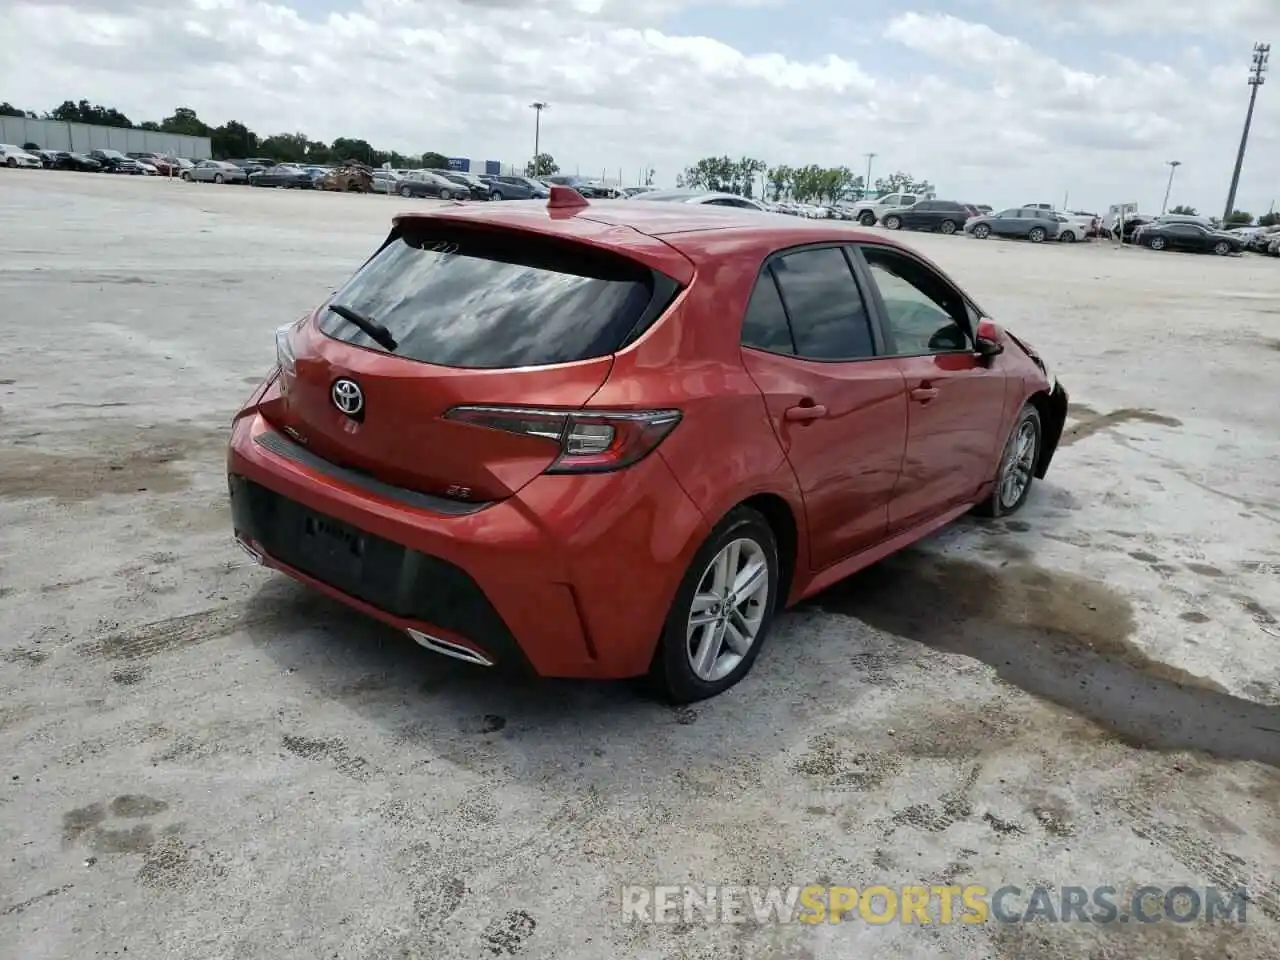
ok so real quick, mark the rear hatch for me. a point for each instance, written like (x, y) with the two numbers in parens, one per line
(483, 316)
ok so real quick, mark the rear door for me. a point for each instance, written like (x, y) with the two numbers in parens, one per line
(481, 318)
(921, 216)
(1006, 222)
(955, 402)
(837, 407)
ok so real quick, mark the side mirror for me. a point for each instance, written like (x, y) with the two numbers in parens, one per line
(987, 350)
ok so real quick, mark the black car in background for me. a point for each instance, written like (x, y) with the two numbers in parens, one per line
(253, 164)
(945, 216)
(66, 160)
(284, 175)
(113, 161)
(1191, 237)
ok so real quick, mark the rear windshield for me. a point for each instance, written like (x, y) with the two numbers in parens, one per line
(482, 300)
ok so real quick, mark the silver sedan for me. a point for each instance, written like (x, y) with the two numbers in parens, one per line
(215, 171)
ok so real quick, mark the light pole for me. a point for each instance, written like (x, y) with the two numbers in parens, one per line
(538, 106)
(1261, 53)
(1173, 166)
(866, 186)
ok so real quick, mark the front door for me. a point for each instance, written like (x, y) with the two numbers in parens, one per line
(955, 402)
(838, 408)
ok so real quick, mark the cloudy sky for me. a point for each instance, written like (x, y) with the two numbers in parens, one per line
(995, 101)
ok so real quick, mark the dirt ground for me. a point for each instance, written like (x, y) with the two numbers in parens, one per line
(202, 760)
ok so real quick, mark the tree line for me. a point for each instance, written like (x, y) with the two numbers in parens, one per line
(1238, 218)
(235, 139)
(812, 182)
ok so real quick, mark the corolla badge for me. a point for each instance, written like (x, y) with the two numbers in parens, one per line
(347, 397)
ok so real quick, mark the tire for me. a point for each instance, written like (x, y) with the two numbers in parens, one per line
(186, 176)
(1036, 235)
(893, 223)
(496, 195)
(218, 178)
(1009, 494)
(406, 191)
(1222, 248)
(982, 231)
(673, 674)
(10, 162)
(947, 227)
(866, 218)
(1156, 243)
(1068, 237)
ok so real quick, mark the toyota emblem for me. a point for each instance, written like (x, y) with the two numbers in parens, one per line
(348, 397)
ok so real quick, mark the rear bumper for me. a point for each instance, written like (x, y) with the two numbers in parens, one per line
(572, 577)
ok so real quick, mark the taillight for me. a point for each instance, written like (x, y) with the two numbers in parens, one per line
(590, 441)
(284, 350)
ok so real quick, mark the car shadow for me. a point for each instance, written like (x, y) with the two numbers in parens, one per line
(860, 638)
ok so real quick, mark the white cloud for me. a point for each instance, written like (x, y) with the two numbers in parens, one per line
(988, 116)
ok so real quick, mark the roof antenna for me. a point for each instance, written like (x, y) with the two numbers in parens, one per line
(566, 198)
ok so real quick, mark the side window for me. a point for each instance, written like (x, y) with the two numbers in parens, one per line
(918, 304)
(908, 200)
(926, 205)
(765, 324)
(828, 318)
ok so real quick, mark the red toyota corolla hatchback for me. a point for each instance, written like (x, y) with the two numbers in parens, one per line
(612, 439)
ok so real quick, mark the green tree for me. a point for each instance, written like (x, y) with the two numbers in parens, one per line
(779, 178)
(747, 172)
(902, 182)
(184, 122)
(543, 165)
(709, 173)
(1239, 218)
(86, 112)
(7, 109)
(434, 160)
(285, 147)
(149, 125)
(1183, 210)
(1269, 219)
(346, 148)
(233, 139)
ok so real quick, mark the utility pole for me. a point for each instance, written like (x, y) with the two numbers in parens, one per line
(537, 106)
(1173, 166)
(1257, 76)
(866, 186)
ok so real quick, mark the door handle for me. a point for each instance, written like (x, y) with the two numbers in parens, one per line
(924, 394)
(804, 414)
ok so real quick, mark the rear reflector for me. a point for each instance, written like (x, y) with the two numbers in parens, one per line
(596, 441)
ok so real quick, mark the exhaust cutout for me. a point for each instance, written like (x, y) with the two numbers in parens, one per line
(458, 652)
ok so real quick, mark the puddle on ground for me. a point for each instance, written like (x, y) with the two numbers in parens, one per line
(1095, 422)
(1060, 637)
(110, 460)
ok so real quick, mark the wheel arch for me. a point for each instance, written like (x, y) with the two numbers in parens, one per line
(1052, 407)
(786, 531)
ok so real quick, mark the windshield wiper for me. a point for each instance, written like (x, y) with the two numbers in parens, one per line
(376, 331)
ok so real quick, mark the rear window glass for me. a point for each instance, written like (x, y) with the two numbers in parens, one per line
(482, 300)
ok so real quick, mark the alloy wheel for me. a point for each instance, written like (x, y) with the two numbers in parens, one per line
(947, 227)
(1018, 466)
(729, 607)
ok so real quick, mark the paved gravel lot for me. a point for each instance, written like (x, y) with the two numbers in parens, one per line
(201, 760)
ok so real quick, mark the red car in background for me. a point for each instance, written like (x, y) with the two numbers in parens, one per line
(609, 439)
